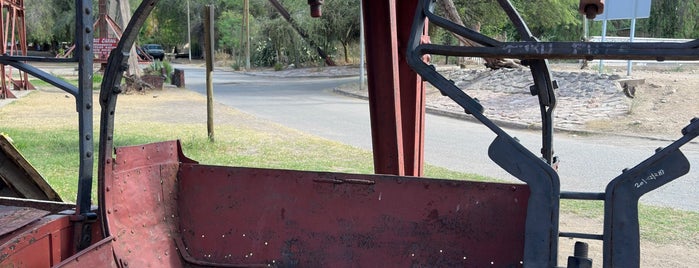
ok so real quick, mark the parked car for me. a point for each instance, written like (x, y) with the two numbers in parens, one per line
(154, 50)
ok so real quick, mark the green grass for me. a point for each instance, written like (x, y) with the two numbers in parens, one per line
(96, 81)
(55, 153)
(53, 149)
(662, 225)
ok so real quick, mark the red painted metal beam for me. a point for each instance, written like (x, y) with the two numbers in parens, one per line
(13, 28)
(383, 83)
(412, 95)
(396, 93)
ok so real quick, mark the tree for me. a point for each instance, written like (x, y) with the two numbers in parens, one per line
(542, 17)
(50, 23)
(451, 13)
(674, 19)
(341, 22)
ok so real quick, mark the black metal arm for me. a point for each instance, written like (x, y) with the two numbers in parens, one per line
(117, 64)
(541, 230)
(621, 198)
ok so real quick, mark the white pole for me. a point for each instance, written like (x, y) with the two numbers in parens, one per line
(586, 29)
(604, 37)
(189, 35)
(246, 6)
(361, 46)
(632, 34)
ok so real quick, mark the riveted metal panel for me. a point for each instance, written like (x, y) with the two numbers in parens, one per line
(140, 198)
(249, 216)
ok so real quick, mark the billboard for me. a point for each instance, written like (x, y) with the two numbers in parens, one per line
(624, 9)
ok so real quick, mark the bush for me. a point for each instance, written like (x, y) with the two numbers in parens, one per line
(159, 68)
(278, 66)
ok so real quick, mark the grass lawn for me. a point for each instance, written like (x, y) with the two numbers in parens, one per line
(43, 126)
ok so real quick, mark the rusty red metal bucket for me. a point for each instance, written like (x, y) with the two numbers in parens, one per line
(166, 210)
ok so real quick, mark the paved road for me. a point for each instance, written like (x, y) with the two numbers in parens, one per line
(588, 163)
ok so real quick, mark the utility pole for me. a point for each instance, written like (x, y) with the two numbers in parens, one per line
(361, 46)
(209, 46)
(246, 18)
(189, 34)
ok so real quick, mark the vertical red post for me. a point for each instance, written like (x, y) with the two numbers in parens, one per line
(383, 83)
(412, 94)
(396, 93)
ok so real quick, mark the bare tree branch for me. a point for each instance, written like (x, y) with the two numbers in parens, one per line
(452, 14)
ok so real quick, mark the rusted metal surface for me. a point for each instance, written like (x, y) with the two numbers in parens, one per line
(412, 94)
(43, 243)
(14, 42)
(109, 90)
(248, 216)
(140, 201)
(18, 178)
(50, 206)
(316, 7)
(13, 218)
(384, 86)
(591, 8)
(396, 92)
(98, 255)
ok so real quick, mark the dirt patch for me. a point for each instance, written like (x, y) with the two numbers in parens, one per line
(659, 107)
(662, 106)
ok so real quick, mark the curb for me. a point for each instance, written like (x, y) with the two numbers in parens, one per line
(275, 74)
(18, 94)
(298, 76)
(461, 116)
(514, 125)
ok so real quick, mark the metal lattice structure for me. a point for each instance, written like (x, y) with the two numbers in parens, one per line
(14, 40)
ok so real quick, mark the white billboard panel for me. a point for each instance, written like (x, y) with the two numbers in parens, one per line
(623, 9)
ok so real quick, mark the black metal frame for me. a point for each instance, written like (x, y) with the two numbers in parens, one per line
(541, 230)
(83, 55)
(117, 64)
(621, 235)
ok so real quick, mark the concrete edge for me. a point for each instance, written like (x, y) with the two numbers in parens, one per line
(297, 76)
(515, 125)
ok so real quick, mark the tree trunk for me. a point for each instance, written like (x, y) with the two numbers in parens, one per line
(344, 47)
(453, 15)
(285, 14)
(125, 10)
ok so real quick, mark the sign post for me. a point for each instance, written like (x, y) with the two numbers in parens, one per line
(102, 47)
(619, 10)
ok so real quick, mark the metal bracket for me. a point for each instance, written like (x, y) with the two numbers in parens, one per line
(541, 230)
(117, 64)
(621, 228)
(622, 193)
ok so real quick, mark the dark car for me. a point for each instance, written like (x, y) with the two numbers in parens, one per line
(154, 50)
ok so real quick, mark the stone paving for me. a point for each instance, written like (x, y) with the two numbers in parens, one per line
(505, 96)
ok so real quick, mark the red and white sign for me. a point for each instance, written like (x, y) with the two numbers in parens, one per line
(103, 46)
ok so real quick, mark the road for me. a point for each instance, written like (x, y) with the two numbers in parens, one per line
(308, 104)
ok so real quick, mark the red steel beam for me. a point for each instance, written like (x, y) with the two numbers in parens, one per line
(396, 94)
(14, 31)
(383, 86)
(412, 95)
